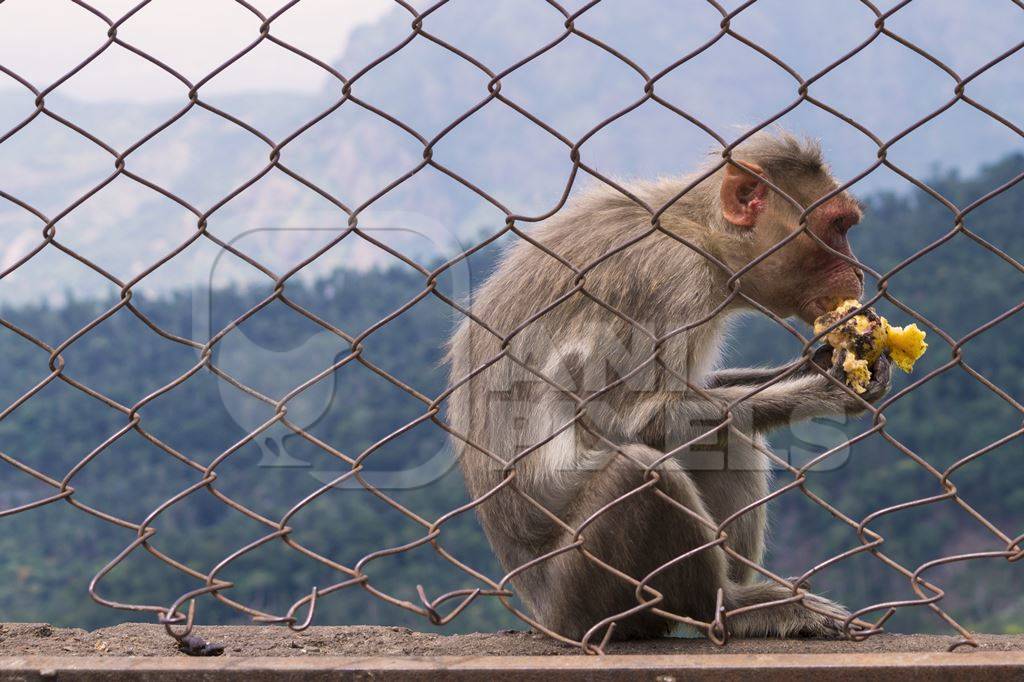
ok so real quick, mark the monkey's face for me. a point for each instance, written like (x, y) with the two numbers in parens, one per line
(813, 270)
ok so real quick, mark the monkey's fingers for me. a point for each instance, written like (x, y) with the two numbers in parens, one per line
(881, 379)
(836, 368)
(822, 357)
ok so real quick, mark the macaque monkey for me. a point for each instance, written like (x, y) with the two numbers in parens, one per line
(599, 346)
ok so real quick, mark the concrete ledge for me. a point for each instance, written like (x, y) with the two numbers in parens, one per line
(35, 651)
(976, 665)
(248, 641)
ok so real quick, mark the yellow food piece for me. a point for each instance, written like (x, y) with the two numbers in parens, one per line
(860, 340)
(857, 373)
(906, 345)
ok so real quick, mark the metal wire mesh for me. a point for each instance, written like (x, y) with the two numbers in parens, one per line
(442, 609)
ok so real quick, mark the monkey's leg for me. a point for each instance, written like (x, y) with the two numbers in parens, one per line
(736, 481)
(727, 492)
(570, 594)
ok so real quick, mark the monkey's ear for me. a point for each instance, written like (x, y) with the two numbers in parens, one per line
(742, 193)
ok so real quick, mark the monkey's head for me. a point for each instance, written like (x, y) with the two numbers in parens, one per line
(802, 277)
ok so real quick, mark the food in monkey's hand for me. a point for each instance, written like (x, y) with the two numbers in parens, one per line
(861, 339)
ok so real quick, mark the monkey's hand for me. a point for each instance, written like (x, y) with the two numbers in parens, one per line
(877, 386)
(820, 358)
(860, 340)
(762, 408)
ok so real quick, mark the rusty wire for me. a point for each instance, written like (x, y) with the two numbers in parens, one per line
(179, 616)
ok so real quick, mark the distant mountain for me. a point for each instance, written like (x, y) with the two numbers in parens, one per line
(354, 154)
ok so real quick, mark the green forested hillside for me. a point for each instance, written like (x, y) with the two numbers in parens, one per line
(48, 555)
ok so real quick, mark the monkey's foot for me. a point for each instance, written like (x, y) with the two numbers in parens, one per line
(827, 625)
(824, 619)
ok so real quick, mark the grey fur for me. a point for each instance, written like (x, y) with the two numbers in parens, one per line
(508, 414)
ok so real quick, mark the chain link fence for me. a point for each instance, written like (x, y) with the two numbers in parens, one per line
(444, 608)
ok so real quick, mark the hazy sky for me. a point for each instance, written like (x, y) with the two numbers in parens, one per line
(43, 39)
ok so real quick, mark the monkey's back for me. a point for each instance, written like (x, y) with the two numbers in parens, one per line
(541, 330)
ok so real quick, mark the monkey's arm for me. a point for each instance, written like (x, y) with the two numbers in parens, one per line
(798, 397)
(755, 376)
(744, 376)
